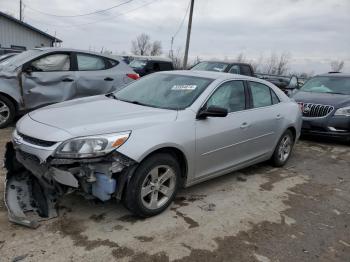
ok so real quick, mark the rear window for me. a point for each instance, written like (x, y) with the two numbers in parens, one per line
(210, 66)
(90, 62)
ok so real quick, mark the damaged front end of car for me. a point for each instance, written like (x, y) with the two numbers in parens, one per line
(33, 187)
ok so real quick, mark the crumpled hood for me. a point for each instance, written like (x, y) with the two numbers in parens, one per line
(100, 115)
(335, 100)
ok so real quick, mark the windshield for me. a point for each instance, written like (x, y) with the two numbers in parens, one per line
(138, 63)
(210, 66)
(328, 84)
(166, 91)
(18, 60)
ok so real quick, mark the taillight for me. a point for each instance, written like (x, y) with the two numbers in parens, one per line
(301, 105)
(133, 76)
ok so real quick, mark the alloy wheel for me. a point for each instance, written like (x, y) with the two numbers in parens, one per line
(285, 148)
(4, 112)
(158, 187)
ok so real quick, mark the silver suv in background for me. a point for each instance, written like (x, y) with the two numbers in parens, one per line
(44, 76)
(141, 144)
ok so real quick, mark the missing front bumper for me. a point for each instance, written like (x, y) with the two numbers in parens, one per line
(33, 189)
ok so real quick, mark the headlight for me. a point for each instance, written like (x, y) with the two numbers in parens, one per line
(91, 146)
(345, 111)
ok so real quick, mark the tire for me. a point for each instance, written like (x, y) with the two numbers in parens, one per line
(283, 149)
(7, 111)
(147, 178)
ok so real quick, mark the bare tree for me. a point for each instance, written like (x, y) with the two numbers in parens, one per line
(142, 45)
(337, 65)
(257, 64)
(277, 65)
(156, 48)
(241, 58)
(270, 64)
(177, 58)
(283, 64)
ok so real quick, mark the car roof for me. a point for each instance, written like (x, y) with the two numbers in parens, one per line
(208, 74)
(336, 74)
(152, 58)
(62, 49)
(225, 62)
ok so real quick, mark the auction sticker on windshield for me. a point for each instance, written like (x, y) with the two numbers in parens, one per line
(184, 87)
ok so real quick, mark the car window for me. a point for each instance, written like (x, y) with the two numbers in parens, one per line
(211, 66)
(138, 64)
(328, 84)
(275, 99)
(55, 62)
(112, 63)
(230, 96)
(235, 70)
(164, 66)
(163, 90)
(246, 70)
(90, 62)
(156, 66)
(261, 94)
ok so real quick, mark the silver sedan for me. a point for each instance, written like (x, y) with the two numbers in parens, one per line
(141, 144)
(43, 76)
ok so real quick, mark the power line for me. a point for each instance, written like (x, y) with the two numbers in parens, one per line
(86, 14)
(183, 20)
(101, 20)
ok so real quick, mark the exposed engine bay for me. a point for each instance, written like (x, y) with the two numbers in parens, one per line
(33, 188)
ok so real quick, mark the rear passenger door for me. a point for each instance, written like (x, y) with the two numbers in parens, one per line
(265, 118)
(95, 74)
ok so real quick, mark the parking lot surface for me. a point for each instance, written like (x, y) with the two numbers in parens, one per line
(297, 213)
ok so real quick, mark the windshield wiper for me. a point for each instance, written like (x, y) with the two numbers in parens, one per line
(336, 93)
(112, 95)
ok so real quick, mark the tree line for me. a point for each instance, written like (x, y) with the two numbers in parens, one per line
(274, 64)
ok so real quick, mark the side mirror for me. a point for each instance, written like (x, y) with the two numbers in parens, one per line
(212, 111)
(27, 69)
(293, 83)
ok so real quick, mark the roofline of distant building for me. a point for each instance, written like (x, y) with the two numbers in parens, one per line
(55, 39)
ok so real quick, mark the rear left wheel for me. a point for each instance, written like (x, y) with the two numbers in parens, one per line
(283, 149)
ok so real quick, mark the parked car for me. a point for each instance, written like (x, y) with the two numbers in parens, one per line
(226, 67)
(325, 103)
(144, 65)
(44, 76)
(286, 83)
(141, 144)
(3, 58)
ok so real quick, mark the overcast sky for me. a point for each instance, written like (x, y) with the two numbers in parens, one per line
(314, 32)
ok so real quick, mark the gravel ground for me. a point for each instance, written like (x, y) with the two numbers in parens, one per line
(297, 213)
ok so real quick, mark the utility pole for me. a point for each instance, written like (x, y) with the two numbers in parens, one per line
(20, 10)
(188, 35)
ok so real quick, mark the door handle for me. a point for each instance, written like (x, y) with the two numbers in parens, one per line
(67, 80)
(244, 125)
(108, 79)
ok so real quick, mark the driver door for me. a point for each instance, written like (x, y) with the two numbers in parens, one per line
(221, 142)
(48, 79)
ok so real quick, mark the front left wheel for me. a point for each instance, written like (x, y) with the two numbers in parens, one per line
(153, 186)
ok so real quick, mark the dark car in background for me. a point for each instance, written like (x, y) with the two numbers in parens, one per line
(225, 67)
(325, 104)
(145, 65)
